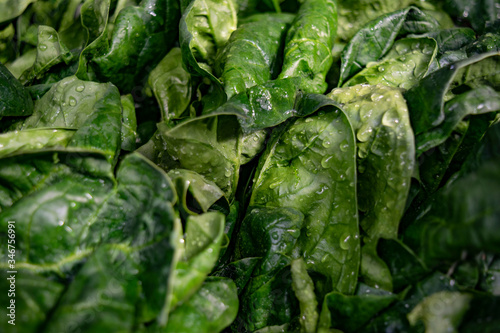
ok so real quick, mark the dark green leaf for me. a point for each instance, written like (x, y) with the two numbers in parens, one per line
(427, 99)
(350, 312)
(141, 36)
(15, 100)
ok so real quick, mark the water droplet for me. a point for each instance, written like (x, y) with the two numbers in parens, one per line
(227, 173)
(345, 241)
(60, 222)
(308, 120)
(72, 101)
(80, 88)
(364, 133)
(376, 97)
(42, 47)
(325, 258)
(326, 162)
(327, 144)
(275, 235)
(344, 145)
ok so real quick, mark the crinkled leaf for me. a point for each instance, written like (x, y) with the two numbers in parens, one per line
(206, 26)
(81, 213)
(208, 145)
(403, 66)
(50, 51)
(309, 165)
(309, 43)
(376, 38)
(385, 142)
(94, 109)
(141, 36)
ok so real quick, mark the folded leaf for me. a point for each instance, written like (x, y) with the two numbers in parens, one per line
(251, 56)
(427, 99)
(309, 43)
(171, 85)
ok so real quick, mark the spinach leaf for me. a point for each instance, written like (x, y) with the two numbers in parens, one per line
(198, 253)
(259, 41)
(83, 105)
(376, 38)
(50, 51)
(204, 192)
(171, 85)
(313, 29)
(13, 8)
(208, 145)
(309, 165)
(204, 28)
(98, 265)
(395, 316)
(129, 123)
(403, 66)
(33, 140)
(350, 312)
(427, 99)
(441, 311)
(465, 218)
(477, 101)
(212, 308)
(303, 287)
(141, 36)
(478, 13)
(353, 14)
(380, 117)
(15, 100)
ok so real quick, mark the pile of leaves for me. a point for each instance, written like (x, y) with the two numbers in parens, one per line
(250, 166)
